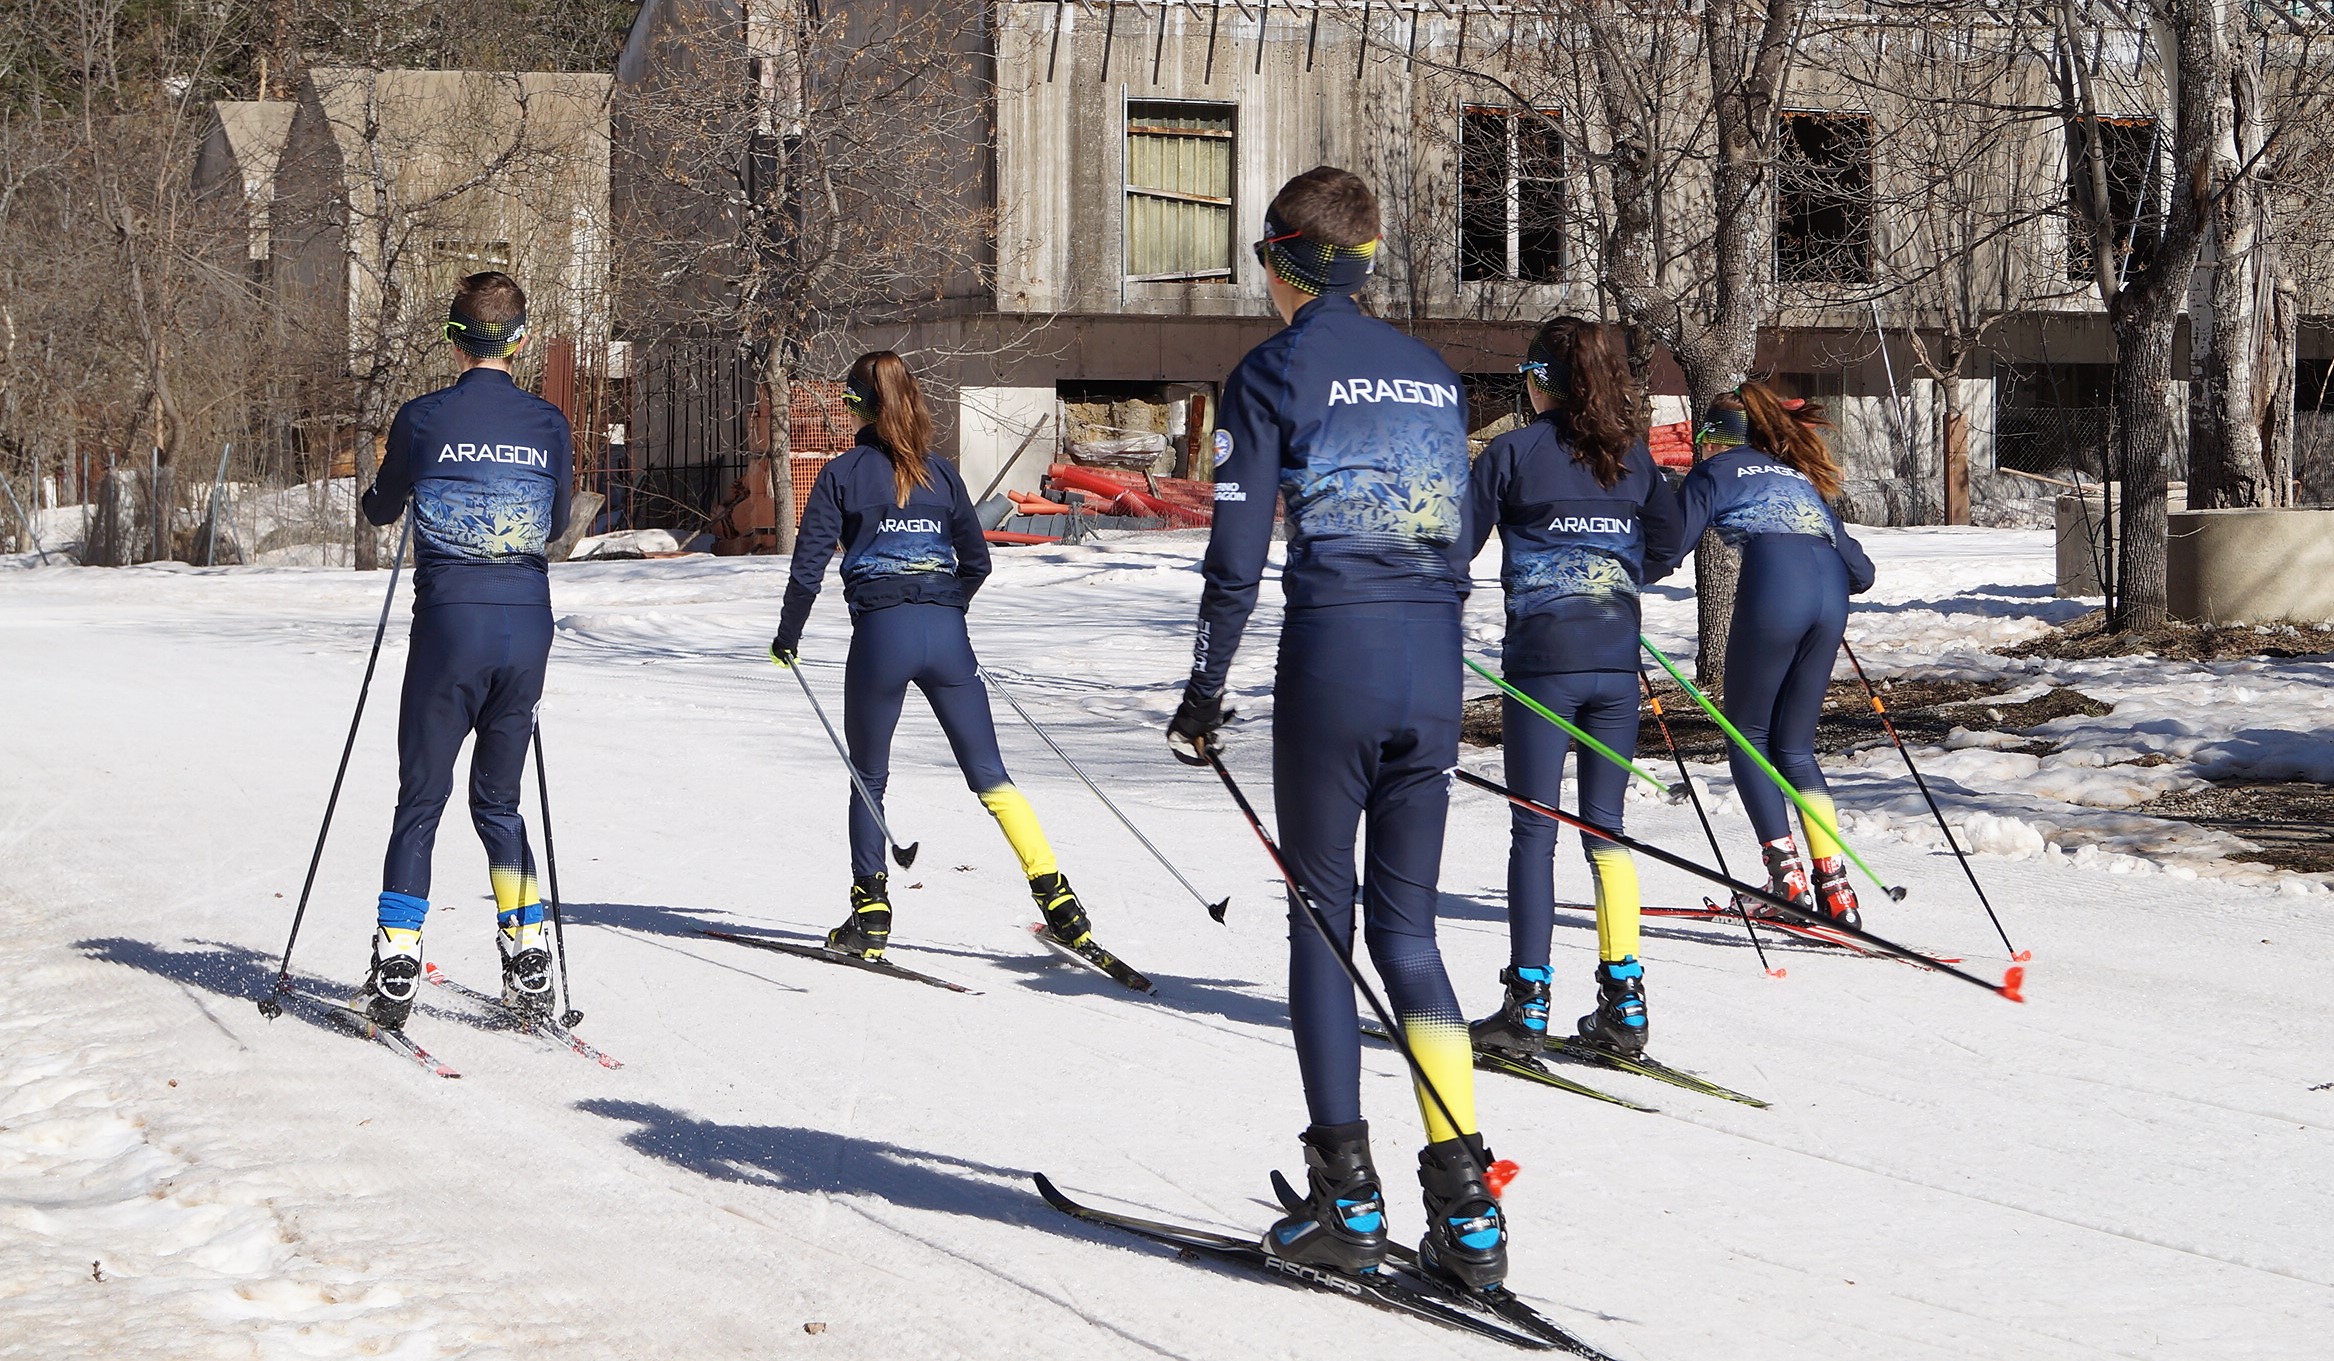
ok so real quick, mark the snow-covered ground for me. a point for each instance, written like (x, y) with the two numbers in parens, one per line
(2132, 1165)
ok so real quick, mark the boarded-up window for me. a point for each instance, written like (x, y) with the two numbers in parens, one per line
(1179, 160)
(1511, 196)
(2127, 155)
(1823, 199)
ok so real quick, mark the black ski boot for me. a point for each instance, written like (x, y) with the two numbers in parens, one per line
(392, 980)
(868, 929)
(1521, 1024)
(1466, 1235)
(1786, 879)
(1065, 920)
(1835, 893)
(1343, 1223)
(1619, 1023)
(526, 972)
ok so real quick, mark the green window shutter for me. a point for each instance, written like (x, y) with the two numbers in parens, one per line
(1179, 160)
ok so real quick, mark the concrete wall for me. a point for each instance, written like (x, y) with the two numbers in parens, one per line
(992, 422)
(2251, 566)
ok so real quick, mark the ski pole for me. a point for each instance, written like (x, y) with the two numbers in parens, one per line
(1344, 955)
(1215, 909)
(1569, 729)
(270, 1006)
(1939, 813)
(1806, 810)
(906, 855)
(1704, 814)
(571, 1018)
(2010, 987)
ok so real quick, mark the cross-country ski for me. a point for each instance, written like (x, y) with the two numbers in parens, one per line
(1348, 627)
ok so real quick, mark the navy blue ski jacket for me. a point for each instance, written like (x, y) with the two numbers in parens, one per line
(929, 551)
(1575, 553)
(1361, 431)
(488, 468)
(1745, 493)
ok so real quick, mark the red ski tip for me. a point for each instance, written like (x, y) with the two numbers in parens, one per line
(1498, 1175)
(2022, 957)
(2014, 984)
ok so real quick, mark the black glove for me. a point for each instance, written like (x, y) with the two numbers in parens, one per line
(1191, 735)
(782, 651)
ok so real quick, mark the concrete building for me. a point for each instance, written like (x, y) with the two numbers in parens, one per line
(236, 168)
(408, 180)
(1125, 153)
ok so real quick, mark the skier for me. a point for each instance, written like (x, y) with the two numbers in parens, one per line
(1362, 431)
(1583, 516)
(487, 468)
(1761, 484)
(913, 556)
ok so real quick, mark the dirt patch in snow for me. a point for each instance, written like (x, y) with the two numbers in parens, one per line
(2059, 702)
(2088, 637)
(2286, 820)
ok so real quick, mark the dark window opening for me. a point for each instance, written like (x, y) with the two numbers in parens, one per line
(2313, 388)
(2053, 418)
(1828, 386)
(2127, 156)
(1823, 199)
(1511, 196)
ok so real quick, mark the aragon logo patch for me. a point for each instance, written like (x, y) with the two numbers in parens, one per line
(1223, 447)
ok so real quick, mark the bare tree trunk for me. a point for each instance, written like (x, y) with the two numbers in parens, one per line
(2143, 441)
(367, 547)
(779, 387)
(1956, 417)
(2274, 414)
(1717, 565)
(2228, 318)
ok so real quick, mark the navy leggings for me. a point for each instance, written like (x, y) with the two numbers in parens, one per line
(473, 668)
(892, 648)
(1790, 611)
(1365, 725)
(1603, 704)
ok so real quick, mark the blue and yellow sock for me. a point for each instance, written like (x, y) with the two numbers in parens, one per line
(1821, 844)
(1022, 831)
(518, 905)
(1618, 908)
(1447, 1056)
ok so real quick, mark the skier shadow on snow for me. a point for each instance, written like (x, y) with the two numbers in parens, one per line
(1038, 968)
(1990, 602)
(241, 974)
(807, 1161)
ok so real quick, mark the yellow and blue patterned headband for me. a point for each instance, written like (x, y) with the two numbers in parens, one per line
(485, 339)
(1724, 428)
(1314, 267)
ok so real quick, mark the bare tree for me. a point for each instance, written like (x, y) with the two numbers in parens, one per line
(395, 184)
(2144, 259)
(824, 174)
(1688, 101)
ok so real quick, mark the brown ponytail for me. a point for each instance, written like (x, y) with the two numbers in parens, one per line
(1792, 434)
(892, 402)
(1588, 386)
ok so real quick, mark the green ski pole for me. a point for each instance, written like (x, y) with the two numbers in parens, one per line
(1826, 825)
(1575, 733)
